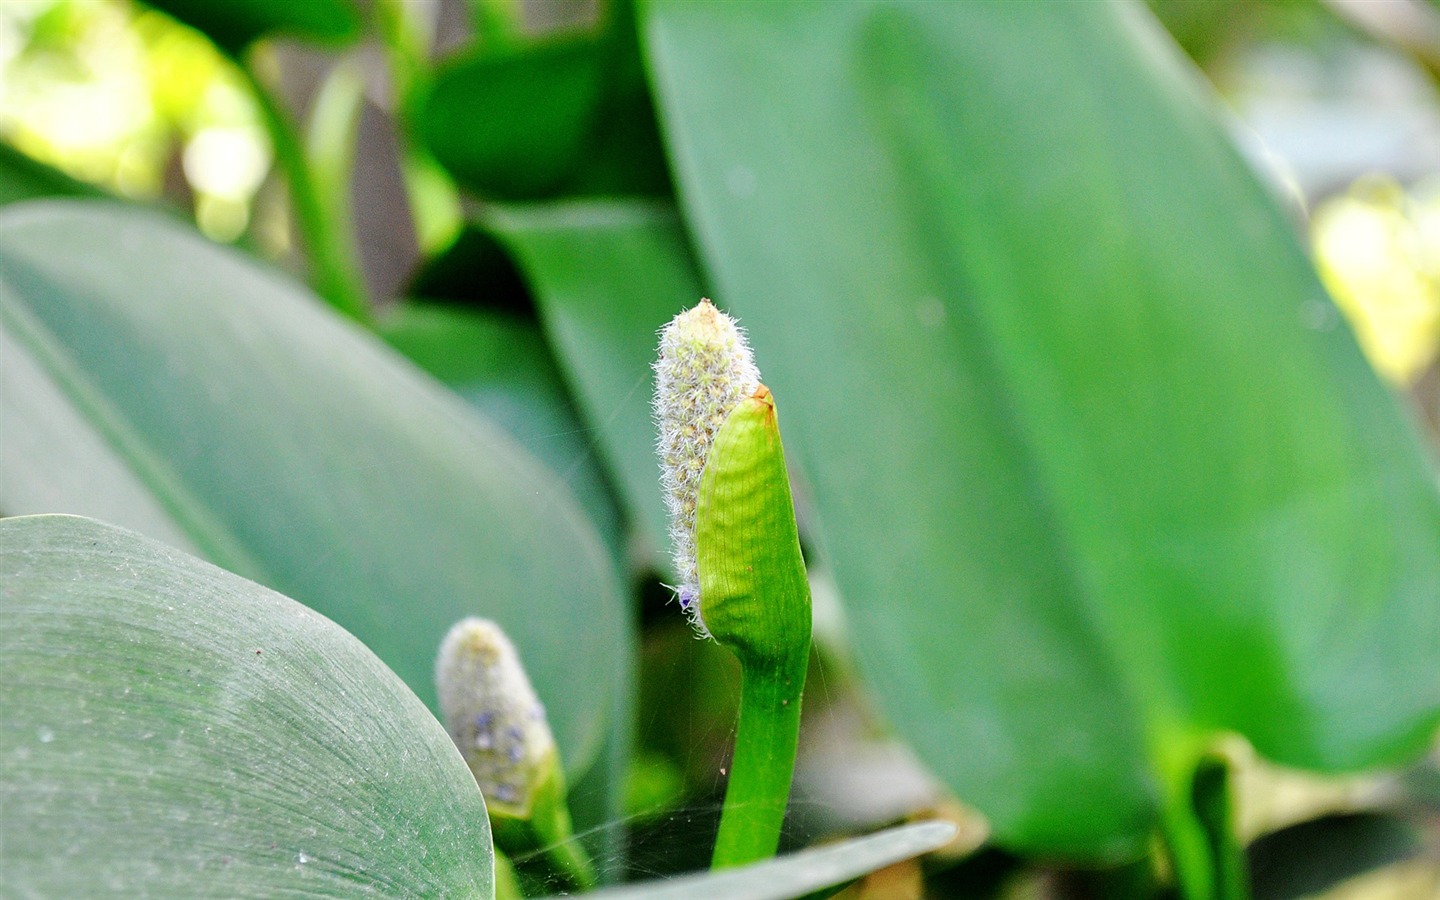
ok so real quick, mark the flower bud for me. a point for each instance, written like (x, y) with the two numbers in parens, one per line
(704, 371)
(500, 728)
(493, 715)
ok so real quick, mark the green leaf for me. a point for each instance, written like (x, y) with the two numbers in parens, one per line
(1098, 472)
(234, 24)
(234, 410)
(513, 124)
(23, 178)
(569, 115)
(172, 729)
(501, 365)
(606, 276)
(798, 874)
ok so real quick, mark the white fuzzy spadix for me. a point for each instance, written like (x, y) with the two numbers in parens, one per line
(493, 715)
(705, 369)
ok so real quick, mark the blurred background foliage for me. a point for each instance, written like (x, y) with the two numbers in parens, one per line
(352, 116)
(1337, 103)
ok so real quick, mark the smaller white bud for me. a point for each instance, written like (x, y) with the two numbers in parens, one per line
(494, 716)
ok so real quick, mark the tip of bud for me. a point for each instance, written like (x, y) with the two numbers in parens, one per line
(493, 715)
(701, 322)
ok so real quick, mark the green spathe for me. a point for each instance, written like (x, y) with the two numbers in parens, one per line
(754, 596)
(755, 600)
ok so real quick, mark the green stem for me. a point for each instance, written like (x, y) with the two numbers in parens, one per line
(326, 241)
(1189, 853)
(1210, 797)
(547, 832)
(572, 861)
(764, 761)
(434, 199)
(1207, 857)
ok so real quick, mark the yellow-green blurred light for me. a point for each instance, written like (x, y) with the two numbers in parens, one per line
(106, 92)
(1378, 251)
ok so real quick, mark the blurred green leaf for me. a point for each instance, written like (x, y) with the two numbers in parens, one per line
(501, 365)
(1098, 470)
(606, 276)
(291, 447)
(513, 123)
(22, 178)
(799, 874)
(497, 21)
(567, 115)
(235, 24)
(172, 729)
(1203, 28)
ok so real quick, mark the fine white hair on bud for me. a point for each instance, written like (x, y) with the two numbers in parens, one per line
(705, 369)
(493, 715)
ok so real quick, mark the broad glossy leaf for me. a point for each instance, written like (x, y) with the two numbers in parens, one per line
(798, 874)
(1098, 470)
(291, 447)
(173, 729)
(606, 276)
(235, 24)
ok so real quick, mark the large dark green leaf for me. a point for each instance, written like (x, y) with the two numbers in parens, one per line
(171, 729)
(1098, 471)
(234, 24)
(514, 123)
(606, 276)
(181, 389)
